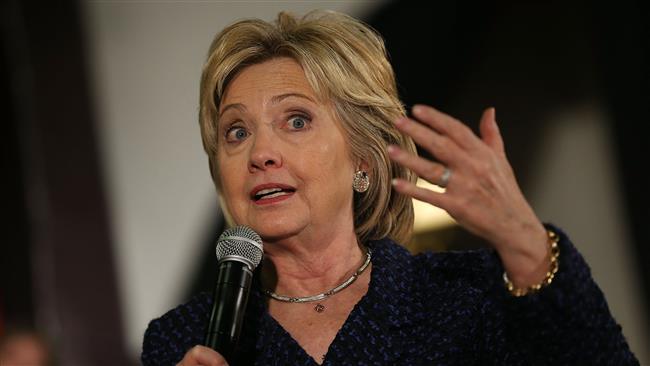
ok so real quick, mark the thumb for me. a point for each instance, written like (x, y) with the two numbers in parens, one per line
(490, 131)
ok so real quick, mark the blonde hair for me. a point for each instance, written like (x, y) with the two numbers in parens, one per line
(346, 64)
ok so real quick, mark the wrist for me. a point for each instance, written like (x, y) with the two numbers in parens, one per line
(525, 282)
(524, 252)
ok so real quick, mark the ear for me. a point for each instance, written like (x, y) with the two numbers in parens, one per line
(362, 165)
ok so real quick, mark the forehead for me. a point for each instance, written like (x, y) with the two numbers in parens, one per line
(272, 77)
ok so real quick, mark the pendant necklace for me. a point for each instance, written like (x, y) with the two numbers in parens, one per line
(319, 308)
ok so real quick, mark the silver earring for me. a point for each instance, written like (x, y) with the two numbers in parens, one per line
(360, 181)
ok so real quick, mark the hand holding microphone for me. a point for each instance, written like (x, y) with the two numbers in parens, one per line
(239, 252)
(202, 356)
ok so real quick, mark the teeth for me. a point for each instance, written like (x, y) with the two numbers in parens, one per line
(277, 194)
(268, 190)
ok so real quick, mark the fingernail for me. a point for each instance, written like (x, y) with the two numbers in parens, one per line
(416, 108)
(394, 182)
(391, 149)
(400, 121)
(494, 117)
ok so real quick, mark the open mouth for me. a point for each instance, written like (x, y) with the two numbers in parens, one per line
(268, 193)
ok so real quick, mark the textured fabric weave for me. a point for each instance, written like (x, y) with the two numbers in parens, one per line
(448, 308)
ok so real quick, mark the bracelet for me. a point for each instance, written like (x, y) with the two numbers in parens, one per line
(553, 240)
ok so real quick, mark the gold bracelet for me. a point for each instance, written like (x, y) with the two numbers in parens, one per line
(555, 254)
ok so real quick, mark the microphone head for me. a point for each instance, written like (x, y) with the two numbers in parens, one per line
(241, 244)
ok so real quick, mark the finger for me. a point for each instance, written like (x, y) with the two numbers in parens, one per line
(439, 146)
(490, 131)
(204, 356)
(447, 125)
(422, 167)
(425, 195)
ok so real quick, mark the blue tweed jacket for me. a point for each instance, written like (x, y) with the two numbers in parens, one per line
(448, 308)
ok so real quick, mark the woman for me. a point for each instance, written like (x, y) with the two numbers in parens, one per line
(310, 146)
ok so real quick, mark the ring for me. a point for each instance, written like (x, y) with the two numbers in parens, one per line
(444, 178)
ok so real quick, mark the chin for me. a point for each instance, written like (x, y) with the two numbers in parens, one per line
(274, 230)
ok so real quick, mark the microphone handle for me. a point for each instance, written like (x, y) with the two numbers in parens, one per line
(229, 305)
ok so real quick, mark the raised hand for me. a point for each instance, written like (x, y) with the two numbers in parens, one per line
(481, 192)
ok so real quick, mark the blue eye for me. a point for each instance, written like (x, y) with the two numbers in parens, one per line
(236, 133)
(240, 134)
(298, 122)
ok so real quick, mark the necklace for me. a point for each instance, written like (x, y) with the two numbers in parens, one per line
(323, 295)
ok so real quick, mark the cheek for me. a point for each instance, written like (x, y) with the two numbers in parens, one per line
(230, 181)
(333, 169)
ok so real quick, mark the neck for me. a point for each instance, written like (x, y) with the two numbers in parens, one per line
(306, 266)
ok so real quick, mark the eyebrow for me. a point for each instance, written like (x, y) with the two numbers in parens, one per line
(274, 100)
(237, 106)
(278, 98)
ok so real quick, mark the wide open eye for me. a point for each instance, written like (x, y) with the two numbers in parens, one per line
(298, 122)
(236, 134)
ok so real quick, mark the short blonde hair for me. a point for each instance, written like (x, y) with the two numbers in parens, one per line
(346, 64)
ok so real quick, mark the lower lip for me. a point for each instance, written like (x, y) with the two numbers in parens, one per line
(269, 201)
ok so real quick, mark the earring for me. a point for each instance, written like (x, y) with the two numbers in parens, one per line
(360, 181)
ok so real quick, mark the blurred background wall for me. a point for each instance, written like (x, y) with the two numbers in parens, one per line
(111, 215)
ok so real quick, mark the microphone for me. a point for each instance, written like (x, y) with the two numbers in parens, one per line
(239, 251)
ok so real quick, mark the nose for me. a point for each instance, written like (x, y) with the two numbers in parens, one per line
(264, 153)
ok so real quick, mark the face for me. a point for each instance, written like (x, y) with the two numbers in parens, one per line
(284, 163)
